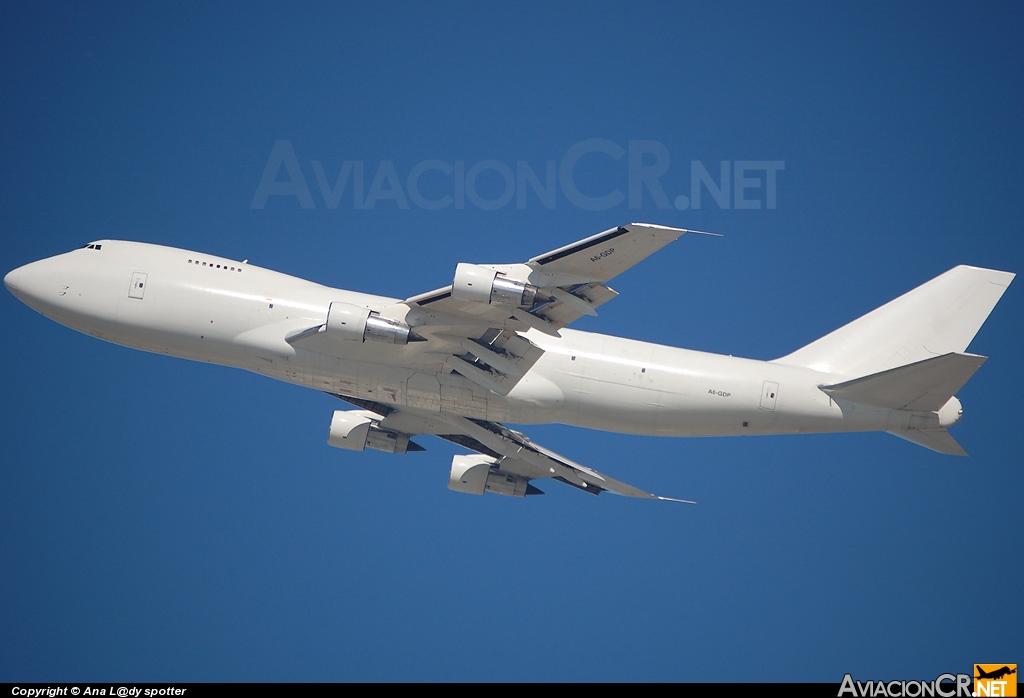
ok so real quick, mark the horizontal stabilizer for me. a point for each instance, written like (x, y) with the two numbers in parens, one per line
(922, 386)
(938, 440)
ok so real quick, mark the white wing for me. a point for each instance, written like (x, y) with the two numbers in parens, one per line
(476, 326)
(509, 454)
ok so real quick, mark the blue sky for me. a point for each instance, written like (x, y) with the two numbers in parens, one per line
(167, 520)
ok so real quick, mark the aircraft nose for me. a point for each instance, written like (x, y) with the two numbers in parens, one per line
(29, 283)
(15, 281)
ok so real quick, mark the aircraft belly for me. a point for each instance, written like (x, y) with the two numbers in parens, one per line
(463, 397)
(423, 392)
(535, 399)
(389, 385)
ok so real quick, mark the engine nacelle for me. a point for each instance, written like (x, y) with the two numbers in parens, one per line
(355, 323)
(482, 285)
(356, 431)
(478, 474)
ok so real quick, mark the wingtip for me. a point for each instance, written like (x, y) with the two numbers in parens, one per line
(673, 499)
(679, 230)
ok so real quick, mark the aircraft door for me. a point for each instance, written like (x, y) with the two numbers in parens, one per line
(138, 287)
(769, 394)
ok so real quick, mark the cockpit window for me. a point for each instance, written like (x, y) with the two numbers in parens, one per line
(92, 246)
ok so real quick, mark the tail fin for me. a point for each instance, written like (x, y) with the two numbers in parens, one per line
(909, 354)
(940, 317)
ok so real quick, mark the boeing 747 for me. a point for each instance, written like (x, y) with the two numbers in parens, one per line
(494, 347)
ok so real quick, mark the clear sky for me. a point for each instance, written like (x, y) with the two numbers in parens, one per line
(168, 520)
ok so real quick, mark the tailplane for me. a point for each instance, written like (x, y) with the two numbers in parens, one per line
(924, 386)
(938, 440)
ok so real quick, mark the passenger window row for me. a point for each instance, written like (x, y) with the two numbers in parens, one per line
(225, 267)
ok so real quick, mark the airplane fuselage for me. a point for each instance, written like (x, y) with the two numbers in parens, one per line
(206, 308)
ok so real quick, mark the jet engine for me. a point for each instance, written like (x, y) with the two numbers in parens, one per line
(482, 285)
(357, 430)
(476, 474)
(358, 324)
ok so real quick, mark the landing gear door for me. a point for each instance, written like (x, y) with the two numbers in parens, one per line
(769, 393)
(138, 287)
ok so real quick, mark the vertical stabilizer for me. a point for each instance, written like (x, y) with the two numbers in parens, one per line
(940, 317)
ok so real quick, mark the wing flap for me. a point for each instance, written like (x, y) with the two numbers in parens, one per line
(585, 299)
(497, 365)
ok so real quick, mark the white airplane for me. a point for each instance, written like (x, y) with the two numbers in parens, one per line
(492, 347)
